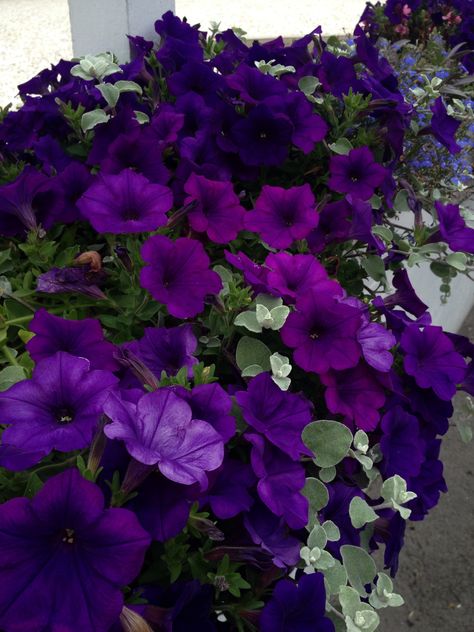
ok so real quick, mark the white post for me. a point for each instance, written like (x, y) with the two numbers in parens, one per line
(102, 25)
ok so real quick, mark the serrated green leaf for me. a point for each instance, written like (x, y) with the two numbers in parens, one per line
(328, 440)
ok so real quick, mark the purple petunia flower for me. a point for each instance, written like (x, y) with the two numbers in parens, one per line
(281, 216)
(166, 349)
(337, 510)
(83, 338)
(294, 275)
(126, 203)
(429, 483)
(263, 138)
(280, 416)
(356, 393)
(444, 127)
(254, 275)
(401, 444)
(430, 357)
(405, 296)
(376, 341)
(216, 210)
(160, 431)
(297, 607)
(229, 489)
(59, 408)
(178, 274)
(356, 174)
(323, 332)
(64, 558)
(78, 280)
(280, 482)
(453, 229)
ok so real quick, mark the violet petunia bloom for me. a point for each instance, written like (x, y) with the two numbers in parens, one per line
(323, 332)
(126, 203)
(401, 444)
(263, 138)
(431, 358)
(355, 393)
(59, 408)
(280, 482)
(166, 349)
(453, 229)
(405, 296)
(444, 127)
(178, 274)
(254, 275)
(279, 415)
(77, 280)
(216, 208)
(429, 483)
(160, 431)
(376, 341)
(83, 338)
(356, 174)
(65, 559)
(229, 489)
(291, 276)
(282, 216)
(297, 607)
(253, 86)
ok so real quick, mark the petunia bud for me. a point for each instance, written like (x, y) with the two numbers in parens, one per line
(131, 621)
(91, 258)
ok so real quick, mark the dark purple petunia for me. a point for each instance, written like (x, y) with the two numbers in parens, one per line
(297, 607)
(27, 202)
(280, 482)
(444, 127)
(165, 126)
(356, 174)
(401, 444)
(323, 332)
(216, 208)
(271, 533)
(178, 274)
(279, 415)
(65, 538)
(59, 408)
(166, 349)
(263, 138)
(253, 86)
(195, 77)
(282, 216)
(187, 606)
(126, 203)
(453, 229)
(430, 357)
(83, 338)
(229, 489)
(77, 280)
(72, 184)
(405, 296)
(254, 275)
(334, 226)
(376, 341)
(160, 431)
(429, 483)
(336, 74)
(355, 393)
(291, 276)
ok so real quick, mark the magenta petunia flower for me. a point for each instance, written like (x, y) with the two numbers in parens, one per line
(323, 332)
(453, 228)
(64, 559)
(355, 393)
(444, 127)
(160, 431)
(278, 415)
(430, 357)
(125, 203)
(281, 216)
(294, 275)
(59, 408)
(83, 338)
(356, 174)
(216, 210)
(178, 274)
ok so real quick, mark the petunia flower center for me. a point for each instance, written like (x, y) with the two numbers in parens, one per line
(130, 213)
(69, 536)
(64, 415)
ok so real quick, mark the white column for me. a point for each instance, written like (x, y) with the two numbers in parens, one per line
(102, 25)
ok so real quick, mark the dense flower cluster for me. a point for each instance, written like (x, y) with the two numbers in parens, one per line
(222, 407)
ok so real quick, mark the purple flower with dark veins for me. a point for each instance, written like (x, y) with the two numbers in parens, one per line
(376, 341)
(356, 174)
(291, 276)
(453, 228)
(126, 203)
(282, 216)
(444, 127)
(323, 332)
(405, 296)
(216, 209)
(430, 357)
(160, 431)
(59, 408)
(64, 559)
(83, 338)
(178, 274)
(78, 280)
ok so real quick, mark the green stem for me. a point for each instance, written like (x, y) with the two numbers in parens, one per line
(9, 356)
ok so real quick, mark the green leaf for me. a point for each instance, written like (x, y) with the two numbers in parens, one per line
(349, 600)
(400, 203)
(252, 370)
(383, 232)
(457, 260)
(318, 497)
(327, 474)
(332, 531)
(252, 351)
(90, 119)
(341, 147)
(328, 440)
(360, 567)
(336, 578)
(141, 117)
(249, 321)
(33, 485)
(375, 268)
(11, 375)
(361, 513)
(317, 537)
(308, 84)
(128, 86)
(110, 93)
